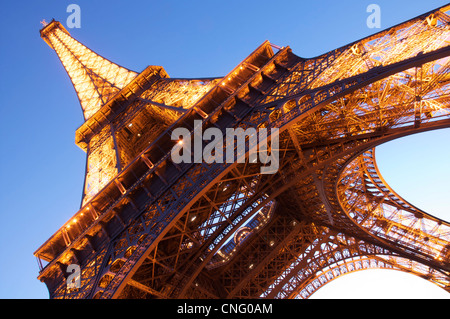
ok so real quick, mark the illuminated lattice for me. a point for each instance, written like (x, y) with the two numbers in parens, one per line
(152, 228)
(95, 78)
(101, 164)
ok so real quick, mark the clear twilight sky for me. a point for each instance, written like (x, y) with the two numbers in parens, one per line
(42, 169)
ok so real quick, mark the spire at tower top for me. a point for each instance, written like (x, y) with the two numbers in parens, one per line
(96, 79)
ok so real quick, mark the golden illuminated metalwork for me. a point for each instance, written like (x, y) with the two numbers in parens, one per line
(151, 228)
(96, 81)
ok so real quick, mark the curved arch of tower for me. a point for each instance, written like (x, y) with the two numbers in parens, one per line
(152, 227)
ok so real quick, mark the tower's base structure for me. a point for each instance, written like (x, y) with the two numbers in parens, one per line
(149, 227)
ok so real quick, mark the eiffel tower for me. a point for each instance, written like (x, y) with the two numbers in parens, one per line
(149, 227)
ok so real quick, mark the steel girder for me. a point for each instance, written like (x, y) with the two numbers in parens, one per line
(226, 231)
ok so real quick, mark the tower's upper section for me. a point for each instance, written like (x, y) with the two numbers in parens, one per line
(96, 79)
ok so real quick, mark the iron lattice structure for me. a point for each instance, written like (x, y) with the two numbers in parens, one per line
(151, 228)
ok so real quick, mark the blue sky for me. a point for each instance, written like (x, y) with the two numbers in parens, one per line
(41, 167)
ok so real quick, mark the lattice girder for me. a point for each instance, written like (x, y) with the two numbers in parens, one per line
(99, 84)
(375, 120)
(328, 115)
(389, 217)
(96, 79)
